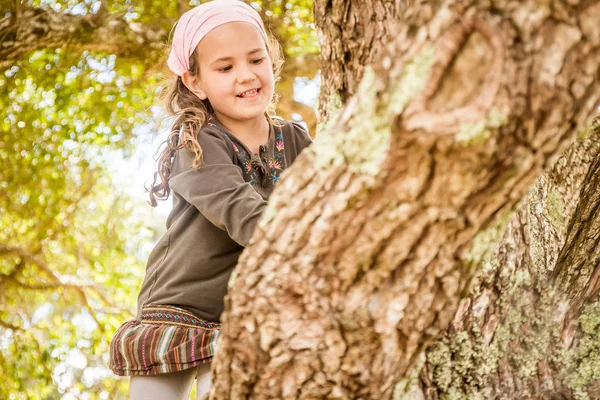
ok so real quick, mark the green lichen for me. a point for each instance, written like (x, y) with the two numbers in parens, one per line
(497, 117)
(463, 363)
(334, 106)
(440, 358)
(583, 359)
(556, 209)
(463, 353)
(364, 145)
(587, 131)
(535, 345)
(412, 81)
(485, 242)
(473, 133)
(407, 388)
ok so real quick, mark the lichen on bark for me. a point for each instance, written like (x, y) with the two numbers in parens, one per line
(364, 145)
(507, 340)
(583, 360)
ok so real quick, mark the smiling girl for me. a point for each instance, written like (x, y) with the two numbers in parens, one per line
(223, 157)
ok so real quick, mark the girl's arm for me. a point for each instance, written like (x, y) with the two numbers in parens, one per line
(218, 189)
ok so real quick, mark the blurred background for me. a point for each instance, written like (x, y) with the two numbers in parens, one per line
(80, 123)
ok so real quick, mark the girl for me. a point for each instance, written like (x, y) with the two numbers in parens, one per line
(222, 159)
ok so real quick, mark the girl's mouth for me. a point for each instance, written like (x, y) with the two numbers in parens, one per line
(249, 93)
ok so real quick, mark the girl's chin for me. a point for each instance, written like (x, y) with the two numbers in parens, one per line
(258, 105)
(246, 115)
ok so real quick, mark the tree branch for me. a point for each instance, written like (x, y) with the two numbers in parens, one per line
(6, 325)
(34, 29)
(85, 191)
(577, 271)
(515, 292)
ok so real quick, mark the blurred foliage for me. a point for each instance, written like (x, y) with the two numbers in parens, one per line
(293, 24)
(73, 243)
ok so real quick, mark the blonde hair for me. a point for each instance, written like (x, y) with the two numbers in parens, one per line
(190, 115)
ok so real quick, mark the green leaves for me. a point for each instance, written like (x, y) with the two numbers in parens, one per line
(294, 25)
(73, 242)
(68, 235)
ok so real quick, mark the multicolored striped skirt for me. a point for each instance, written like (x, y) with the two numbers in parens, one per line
(167, 339)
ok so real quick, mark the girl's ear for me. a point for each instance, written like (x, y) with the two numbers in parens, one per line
(192, 82)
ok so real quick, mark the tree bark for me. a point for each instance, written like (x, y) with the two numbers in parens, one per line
(366, 248)
(352, 35)
(517, 335)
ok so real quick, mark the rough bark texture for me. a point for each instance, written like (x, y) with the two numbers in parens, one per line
(366, 248)
(352, 34)
(517, 335)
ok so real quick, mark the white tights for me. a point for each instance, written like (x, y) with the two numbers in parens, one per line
(171, 386)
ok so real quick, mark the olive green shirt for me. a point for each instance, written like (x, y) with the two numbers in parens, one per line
(215, 210)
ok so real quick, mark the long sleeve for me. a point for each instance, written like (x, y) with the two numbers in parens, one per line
(301, 136)
(217, 189)
(299, 139)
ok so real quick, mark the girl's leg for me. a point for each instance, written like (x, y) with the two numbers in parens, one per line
(170, 386)
(204, 382)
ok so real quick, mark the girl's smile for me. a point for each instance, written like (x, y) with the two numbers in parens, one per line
(250, 94)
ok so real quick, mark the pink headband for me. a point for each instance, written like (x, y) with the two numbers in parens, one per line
(197, 22)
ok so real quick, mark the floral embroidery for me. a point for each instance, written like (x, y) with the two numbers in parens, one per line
(243, 157)
(275, 163)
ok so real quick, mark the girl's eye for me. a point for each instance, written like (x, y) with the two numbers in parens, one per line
(257, 60)
(225, 69)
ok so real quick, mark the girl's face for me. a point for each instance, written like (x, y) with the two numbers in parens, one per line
(236, 73)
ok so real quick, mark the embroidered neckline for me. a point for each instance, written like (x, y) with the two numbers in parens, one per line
(275, 163)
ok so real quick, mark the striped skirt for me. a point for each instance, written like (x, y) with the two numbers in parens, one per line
(167, 339)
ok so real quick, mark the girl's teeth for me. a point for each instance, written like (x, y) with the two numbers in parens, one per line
(248, 93)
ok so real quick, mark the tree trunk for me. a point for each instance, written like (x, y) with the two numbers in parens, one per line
(352, 35)
(367, 246)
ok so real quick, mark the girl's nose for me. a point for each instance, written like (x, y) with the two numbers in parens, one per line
(245, 75)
